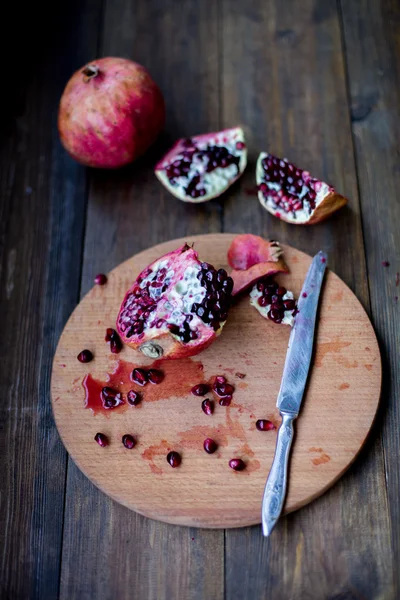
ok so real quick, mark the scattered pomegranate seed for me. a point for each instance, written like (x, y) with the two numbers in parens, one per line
(219, 379)
(128, 441)
(323, 259)
(210, 446)
(101, 439)
(225, 389)
(133, 398)
(237, 464)
(304, 294)
(155, 376)
(114, 339)
(85, 356)
(200, 390)
(240, 375)
(264, 425)
(111, 397)
(100, 279)
(385, 263)
(397, 279)
(225, 401)
(174, 459)
(207, 406)
(139, 376)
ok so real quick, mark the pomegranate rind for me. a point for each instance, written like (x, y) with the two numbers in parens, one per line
(223, 137)
(161, 340)
(247, 250)
(327, 201)
(243, 279)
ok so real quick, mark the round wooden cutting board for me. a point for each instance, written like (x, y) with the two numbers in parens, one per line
(336, 416)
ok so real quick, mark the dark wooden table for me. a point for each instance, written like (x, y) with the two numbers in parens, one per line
(317, 81)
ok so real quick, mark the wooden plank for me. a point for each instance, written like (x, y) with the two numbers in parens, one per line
(372, 44)
(41, 232)
(114, 553)
(285, 80)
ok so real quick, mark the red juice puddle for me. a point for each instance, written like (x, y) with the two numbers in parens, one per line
(179, 377)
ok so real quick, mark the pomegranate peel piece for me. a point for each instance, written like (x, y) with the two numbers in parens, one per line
(244, 279)
(204, 166)
(292, 194)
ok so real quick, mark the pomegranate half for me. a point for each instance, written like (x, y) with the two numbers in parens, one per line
(110, 113)
(292, 194)
(203, 167)
(176, 307)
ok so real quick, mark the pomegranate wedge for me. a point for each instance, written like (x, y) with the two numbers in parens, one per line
(292, 194)
(203, 167)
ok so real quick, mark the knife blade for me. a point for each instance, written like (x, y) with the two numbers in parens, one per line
(290, 396)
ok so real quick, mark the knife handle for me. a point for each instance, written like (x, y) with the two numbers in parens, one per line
(275, 488)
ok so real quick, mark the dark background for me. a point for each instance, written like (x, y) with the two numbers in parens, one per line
(314, 80)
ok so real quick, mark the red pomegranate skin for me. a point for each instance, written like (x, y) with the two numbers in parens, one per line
(110, 113)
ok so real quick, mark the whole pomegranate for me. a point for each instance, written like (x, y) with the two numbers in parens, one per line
(176, 307)
(111, 111)
(204, 166)
(292, 194)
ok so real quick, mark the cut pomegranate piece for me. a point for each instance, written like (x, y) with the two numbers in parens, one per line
(176, 307)
(203, 167)
(292, 194)
(273, 302)
(251, 257)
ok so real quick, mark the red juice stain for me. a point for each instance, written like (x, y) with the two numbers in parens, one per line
(179, 377)
(153, 452)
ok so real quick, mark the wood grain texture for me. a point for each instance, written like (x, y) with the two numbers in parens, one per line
(286, 81)
(128, 211)
(372, 45)
(338, 411)
(41, 230)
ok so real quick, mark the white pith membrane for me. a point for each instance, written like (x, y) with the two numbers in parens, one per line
(170, 308)
(212, 180)
(276, 196)
(288, 315)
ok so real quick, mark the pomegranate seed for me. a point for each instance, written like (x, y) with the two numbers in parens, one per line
(281, 291)
(100, 279)
(385, 263)
(289, 304)
(304, 294)
(220, 379)
(200, 390)
(240, 145)
(174, 459)
(133, 398)
(101, 439)
(207, 406)
(225, 401)
(114, 339)
(139, 376)
(240, 375)
(237, 464)
(263, 301)
(265, 425)
(85, 356)
(128, 441)
(155, 376)
(225, 389)
(210, 446)
(110, 334)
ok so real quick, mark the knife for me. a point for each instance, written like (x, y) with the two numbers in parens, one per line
(294, 378)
